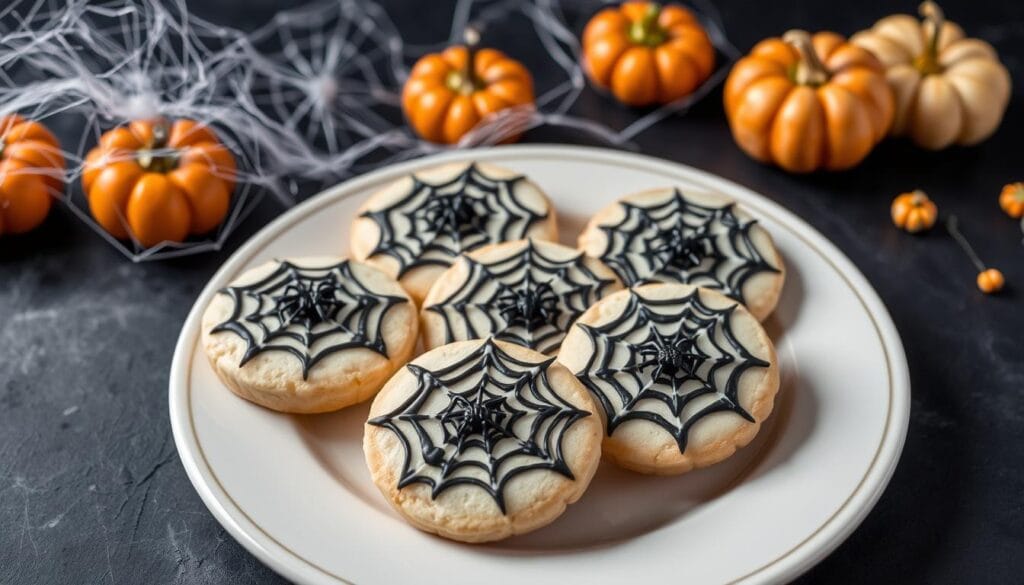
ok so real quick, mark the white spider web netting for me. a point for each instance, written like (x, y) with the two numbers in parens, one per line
(309, 98)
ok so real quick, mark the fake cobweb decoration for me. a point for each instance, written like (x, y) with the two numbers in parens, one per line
(669, 362)
(325, 73)
(306, 100)
(481, 422)
(309, 312)
(83, 68)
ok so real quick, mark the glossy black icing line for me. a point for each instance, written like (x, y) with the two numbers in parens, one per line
(525, 297)
(309, 312)
(481, 421)
(434, 223)
(678, 240)
(660, 356)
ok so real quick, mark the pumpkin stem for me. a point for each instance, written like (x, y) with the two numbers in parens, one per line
(148, 160)
(1016, 188)
(810, 70)
(5, 128)
(646, 30)
(472, 38)
(160, 134)
(465, 81)
(934, 20)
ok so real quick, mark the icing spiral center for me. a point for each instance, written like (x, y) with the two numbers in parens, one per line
(685, 248)
(672, 358)
(529, 307)
(452, 215)
(306, 303)
(484, 417)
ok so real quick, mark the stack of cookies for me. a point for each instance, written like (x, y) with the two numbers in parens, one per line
(643, 344)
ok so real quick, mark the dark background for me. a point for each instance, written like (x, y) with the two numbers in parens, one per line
(92, 491)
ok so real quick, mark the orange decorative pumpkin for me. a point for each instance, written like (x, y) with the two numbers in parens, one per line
(31, 173)
(990, 281)
(158, 182)
(914, 212)
(808, 102)
(449, 93)
(645, 53)
(1011, 199)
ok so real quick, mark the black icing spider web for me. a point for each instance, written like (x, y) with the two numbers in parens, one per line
(656, 359)
(526, 298)
(434, 223)
(481, 421)
(678, 240)
(308, 312)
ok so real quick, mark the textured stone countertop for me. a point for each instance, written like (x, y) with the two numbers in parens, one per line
(92, 490)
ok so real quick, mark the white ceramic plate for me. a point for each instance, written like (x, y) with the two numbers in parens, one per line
(294, 490)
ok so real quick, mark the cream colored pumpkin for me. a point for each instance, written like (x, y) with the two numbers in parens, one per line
(949, 89)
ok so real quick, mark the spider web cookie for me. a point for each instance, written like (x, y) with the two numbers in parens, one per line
(669, 362)
(481, 421)
(434, 223)
(526, 298)
(308, 312)
(678, 240)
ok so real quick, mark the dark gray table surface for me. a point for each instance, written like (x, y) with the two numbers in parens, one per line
(92, 490)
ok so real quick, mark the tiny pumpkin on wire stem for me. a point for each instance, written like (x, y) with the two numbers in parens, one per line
(989, 280)
(449, 93)
(914, 212)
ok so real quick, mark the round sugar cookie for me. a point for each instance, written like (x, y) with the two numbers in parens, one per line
(415, 227)
(480, 440)
(703, 239)
(683, 376)
(526, 292)
(309, 334)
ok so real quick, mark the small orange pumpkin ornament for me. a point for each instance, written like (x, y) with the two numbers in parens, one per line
(914, 212)
(645, 53)
(990, 281)
(1011, 199)
(808, 102)
(449, 93)
(159, 182)
(31, 173)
